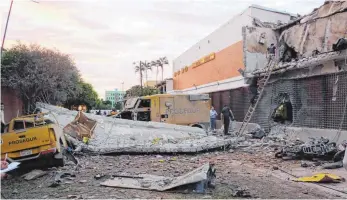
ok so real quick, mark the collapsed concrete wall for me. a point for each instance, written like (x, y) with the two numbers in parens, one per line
(125, 136)
(303, 42)
(316, 32)
(332, 62)
(255, 43)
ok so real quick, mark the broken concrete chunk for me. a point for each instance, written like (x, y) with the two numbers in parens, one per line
(162, 183)
(240, 192)
(34, 174)
(99, 176)
(334, 165)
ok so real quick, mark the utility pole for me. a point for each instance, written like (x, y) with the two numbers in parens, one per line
(122, 95)
(141, 65)
(7, 20)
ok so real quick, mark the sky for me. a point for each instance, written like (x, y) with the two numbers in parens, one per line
(105, 37)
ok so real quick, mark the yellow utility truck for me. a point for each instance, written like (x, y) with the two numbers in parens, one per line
(33, 137)
(191, 110)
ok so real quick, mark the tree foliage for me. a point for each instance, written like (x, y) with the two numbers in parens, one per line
(135, 91)
(41, 74)
(103, 105)
(86, 95)
(142, 67)
(160, 63)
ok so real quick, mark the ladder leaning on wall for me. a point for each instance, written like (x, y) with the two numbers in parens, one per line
(262, 83)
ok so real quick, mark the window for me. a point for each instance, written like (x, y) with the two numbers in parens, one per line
(29, 124)
(18, 125)
(145, 103)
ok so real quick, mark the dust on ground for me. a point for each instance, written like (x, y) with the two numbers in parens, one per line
(234, 170)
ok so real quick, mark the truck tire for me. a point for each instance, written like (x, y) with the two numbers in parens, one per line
(197, 126)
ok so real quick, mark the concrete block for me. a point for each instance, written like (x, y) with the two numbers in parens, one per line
(304, 133)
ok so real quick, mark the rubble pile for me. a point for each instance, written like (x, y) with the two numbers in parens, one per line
(118, 136)
(302, 63)
(113, 135)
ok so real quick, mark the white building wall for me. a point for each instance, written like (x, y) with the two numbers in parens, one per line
(226, 35)
(269, 15)
(169, 85)
(223, 37)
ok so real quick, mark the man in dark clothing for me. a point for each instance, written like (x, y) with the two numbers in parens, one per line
(226, 116)
(271, 51)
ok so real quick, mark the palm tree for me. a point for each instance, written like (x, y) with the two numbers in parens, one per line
(139, 68)
(147, 66)
(161, 62)
(155, 64)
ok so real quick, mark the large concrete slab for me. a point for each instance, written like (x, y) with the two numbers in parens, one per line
(125, 136)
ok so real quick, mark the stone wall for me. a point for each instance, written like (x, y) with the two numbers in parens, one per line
(13, 105)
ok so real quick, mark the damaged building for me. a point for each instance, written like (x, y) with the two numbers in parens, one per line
(312, 68)
(311, 74)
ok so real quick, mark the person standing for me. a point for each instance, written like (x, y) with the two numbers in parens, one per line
(213, 116)
(226, 116)
(270, 54)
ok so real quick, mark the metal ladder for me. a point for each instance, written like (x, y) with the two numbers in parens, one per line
(262, 83)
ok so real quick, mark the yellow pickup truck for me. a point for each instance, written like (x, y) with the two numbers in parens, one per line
(33, 137)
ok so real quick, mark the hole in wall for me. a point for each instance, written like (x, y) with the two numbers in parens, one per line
(283, 113)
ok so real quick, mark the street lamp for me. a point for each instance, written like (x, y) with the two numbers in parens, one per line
(8, 18)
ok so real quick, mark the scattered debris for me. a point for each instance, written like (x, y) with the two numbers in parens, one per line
(305, 164)
(333, 165)
(202, 177)
(72, 196)
(257, 133)
(34, 174)
(241, 192)
(54, 184)
(81, 127)
(321, 178)
(99, 176)
(315, 148)
(173, 159)
(58, 179)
